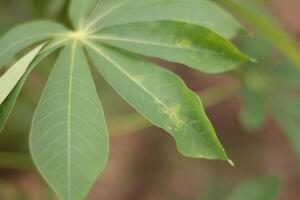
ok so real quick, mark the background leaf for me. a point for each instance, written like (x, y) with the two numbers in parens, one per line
(256, 189)
(256, 16)
(253, 113)
(271, 87)
(288, 118)
(68, 139)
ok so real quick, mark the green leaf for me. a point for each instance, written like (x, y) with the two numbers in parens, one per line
(265, 188)
(79, 10)
(68, 140)
(253, 112)
(162, 98)
(198, 12)
(179, 42)
(7, 106)
(286, 112)
(12, 76)
(258, 47)
(25, 35)
(256, 16)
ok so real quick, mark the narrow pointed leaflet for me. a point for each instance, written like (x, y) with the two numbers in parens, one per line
(12, 76)
(162, 98)
(69, 141)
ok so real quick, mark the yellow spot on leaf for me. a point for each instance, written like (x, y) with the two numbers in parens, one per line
(185, 43)
(139, 79)
(174, 115)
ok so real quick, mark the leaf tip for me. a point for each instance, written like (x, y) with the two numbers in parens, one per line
(231, 162)
(253, 60)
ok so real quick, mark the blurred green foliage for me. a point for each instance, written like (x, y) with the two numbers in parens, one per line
(253, 14)
(271, 86)
(265, 188)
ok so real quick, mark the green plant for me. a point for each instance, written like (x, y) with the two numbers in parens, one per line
(200, 41)
(69, 140)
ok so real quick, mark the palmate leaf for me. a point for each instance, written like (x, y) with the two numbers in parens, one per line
(162, 98)
(184, 43)
(69, 141)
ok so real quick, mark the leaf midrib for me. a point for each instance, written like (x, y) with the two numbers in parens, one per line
(69, 172)
(98, 50)
(155, 44)
(108, 12)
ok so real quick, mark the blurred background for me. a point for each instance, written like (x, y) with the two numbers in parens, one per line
(254, 109)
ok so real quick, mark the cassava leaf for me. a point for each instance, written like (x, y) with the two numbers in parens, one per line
(12, 76)
(162, 98)
(25, 35)
(68, 139)
(79, 10)
(179, 42)
(199, 12)
(7, 106)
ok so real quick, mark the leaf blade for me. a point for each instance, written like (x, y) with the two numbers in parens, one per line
(198, 12)
(14, 41)
(69, 138)
(179, 113)
(7, 106)
(194, 46)
(79, 10)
